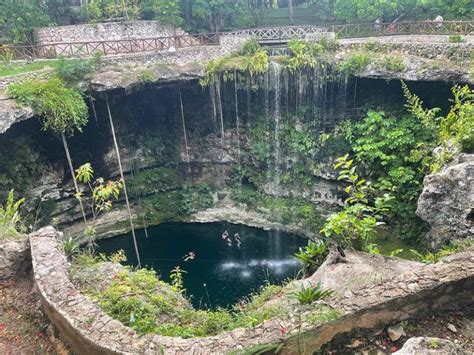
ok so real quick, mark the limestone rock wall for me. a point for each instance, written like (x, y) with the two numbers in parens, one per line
(89, 331)
(14, 257)
(447, 201)
(108, 31)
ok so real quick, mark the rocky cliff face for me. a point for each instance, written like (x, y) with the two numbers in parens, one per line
(447, 201)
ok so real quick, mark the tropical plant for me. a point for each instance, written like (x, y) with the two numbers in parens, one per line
(354, 63)
(60, 109)
(102, 192)
(176, 276)
(455, 131)
(20, 17)
(303, 55)
(72, 71)
(10, 219)
(310, 294)
(166, 12)
(71, 248)
(312, 256)
(354, 225)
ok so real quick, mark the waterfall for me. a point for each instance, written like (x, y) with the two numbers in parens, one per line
(186, 147)
(237, 123)
(217, 89)
(276, 117)
(212, 93)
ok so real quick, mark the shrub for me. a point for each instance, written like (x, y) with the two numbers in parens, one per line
(250, 47)
(354, 64)
(456, 38)
(310, 294)
(312, 256)
(10, 219)
(60, 108)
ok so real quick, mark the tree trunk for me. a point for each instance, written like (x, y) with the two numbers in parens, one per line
(117, 152)
(290, 12)
(71, 168)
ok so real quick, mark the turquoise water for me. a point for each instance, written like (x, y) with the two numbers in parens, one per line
(222, 271)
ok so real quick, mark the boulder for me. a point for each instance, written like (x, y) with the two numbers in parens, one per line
(447, 201)
(14, 257)
(426, 346)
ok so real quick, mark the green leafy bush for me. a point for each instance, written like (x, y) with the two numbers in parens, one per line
(10, 219)
(310, 294)
(354, 226)
(455, 38)
(312, 256)
(303, 55)
(71, 71)
(354, 63)
(60, 108)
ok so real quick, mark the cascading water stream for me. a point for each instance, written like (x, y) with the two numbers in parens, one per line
(183, 121)
(217, 89)
(212, 93)
(276, 68)
(237, 123)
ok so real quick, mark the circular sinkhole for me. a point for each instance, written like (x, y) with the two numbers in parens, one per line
(223, 262)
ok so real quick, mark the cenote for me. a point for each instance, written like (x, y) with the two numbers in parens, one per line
(221, 273)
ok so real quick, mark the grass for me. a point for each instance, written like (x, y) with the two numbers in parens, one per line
(140, 300)
(17, 68)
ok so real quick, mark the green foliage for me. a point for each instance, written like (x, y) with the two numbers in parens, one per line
(10, 219)
(71, 248)
(72, 71)
(394, 153)
(214, 14)
(153, 180)
(250, 47)
(392, 63)
(60, 109)
(303, 55)
(166, 12)
(369, 10)
(225, 67)
(455, 39)
(176, 276)
(310, 294)
(312, 256)
(101, 192)
(354, 226)
(354, 63)
(21, 17)
(143, 302)
(111, 9)
(428, 257)
(455, 131)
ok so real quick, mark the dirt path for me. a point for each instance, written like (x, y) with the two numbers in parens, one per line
(23, 327)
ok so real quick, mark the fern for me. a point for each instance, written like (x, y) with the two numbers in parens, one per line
(10, 219)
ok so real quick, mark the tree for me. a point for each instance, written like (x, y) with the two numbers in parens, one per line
(290, 12)
(21, 17)
(165, 12)
(217, 13)
(61, 110)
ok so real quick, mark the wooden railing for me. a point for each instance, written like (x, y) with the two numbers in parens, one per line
(282, 34)
(404, 28)
(264, 35)
(79, 49)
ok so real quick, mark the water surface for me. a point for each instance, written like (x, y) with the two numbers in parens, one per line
(222, 271)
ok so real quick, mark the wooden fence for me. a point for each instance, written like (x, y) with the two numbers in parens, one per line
(404, 28)
(265, 36)
(125, 46)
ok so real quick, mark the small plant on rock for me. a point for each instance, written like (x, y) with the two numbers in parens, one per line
(309, 294)
(10, 219)
(71, 248)
(312, 256)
